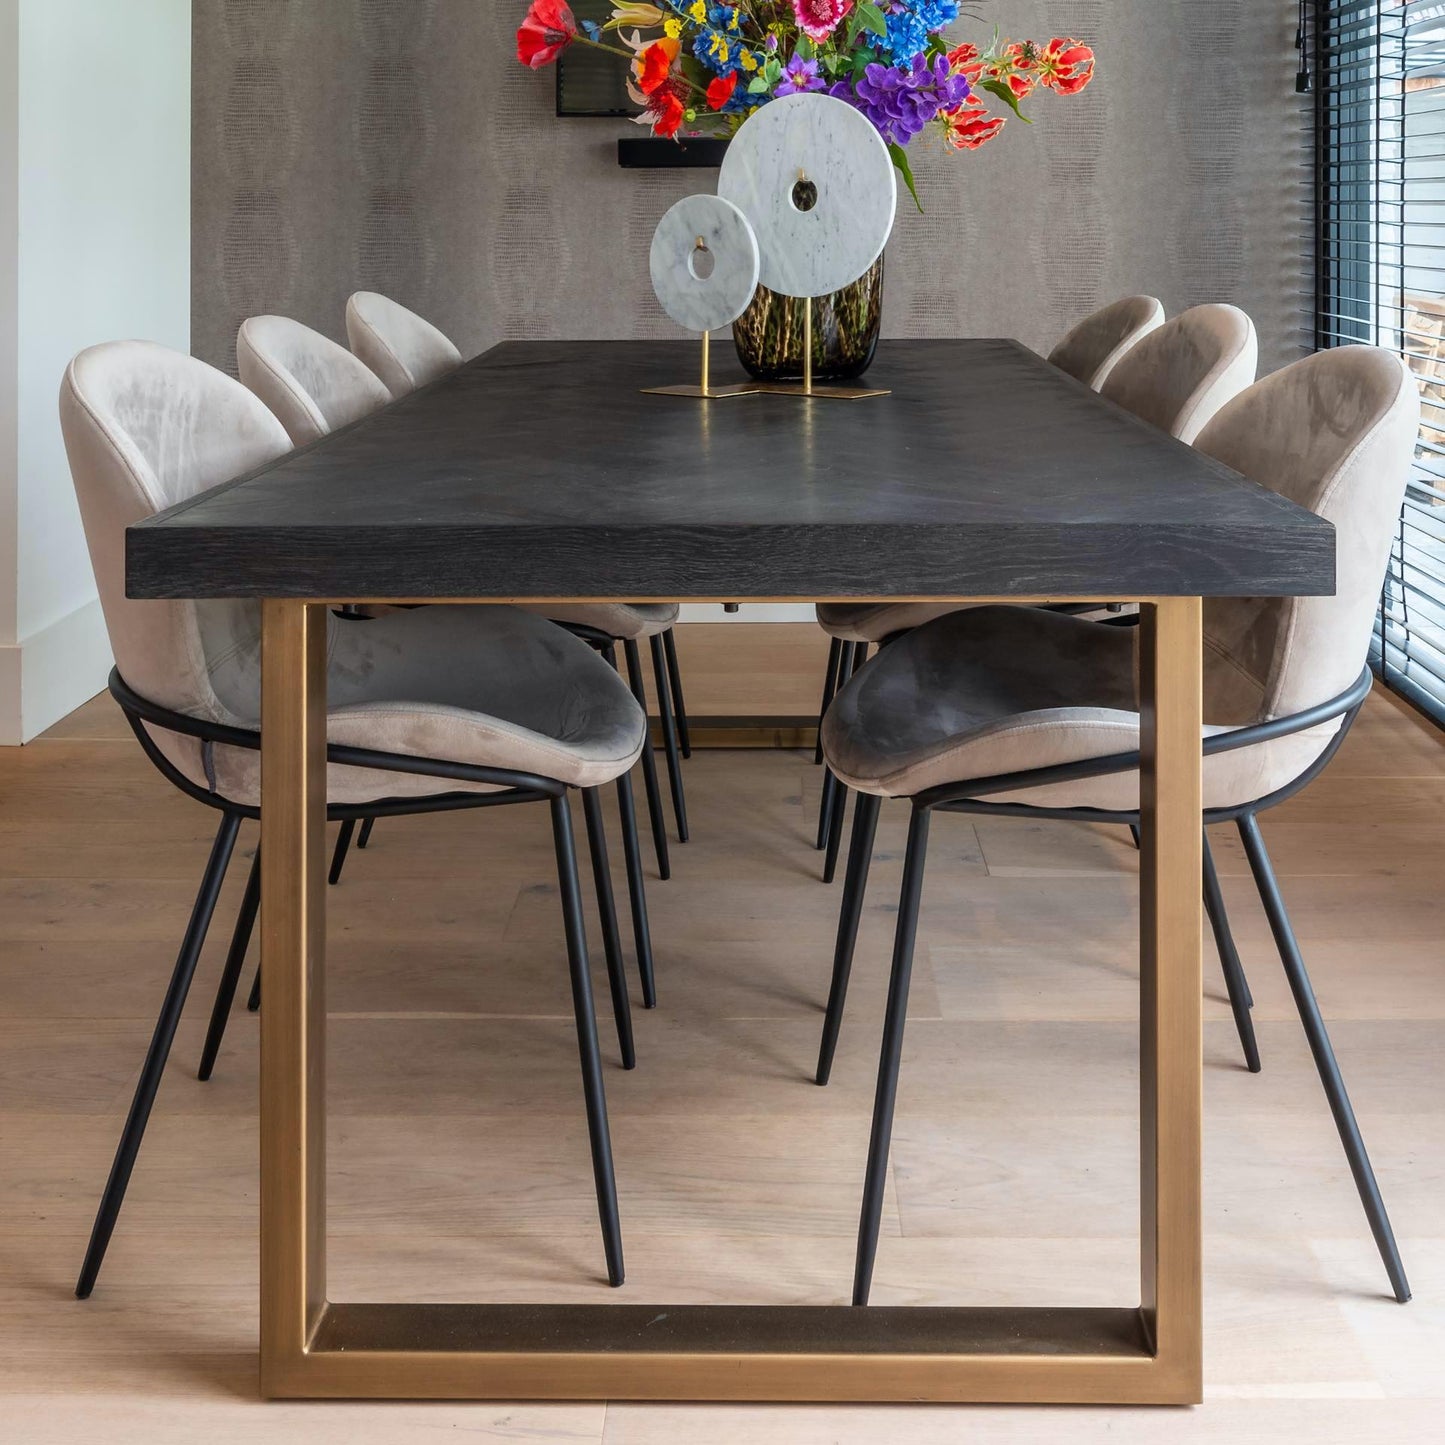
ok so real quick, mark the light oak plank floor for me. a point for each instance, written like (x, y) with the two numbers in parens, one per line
(458, 1148)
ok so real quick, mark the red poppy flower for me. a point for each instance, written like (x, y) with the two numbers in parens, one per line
(971, 125)
(1066, 66)
(668, 114)
(550, 27)
(721, 90)
(657, 61)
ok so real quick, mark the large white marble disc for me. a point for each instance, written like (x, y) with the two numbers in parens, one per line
(705, 263)
(833, 148)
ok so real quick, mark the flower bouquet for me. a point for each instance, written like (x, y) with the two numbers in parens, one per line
(703, 67)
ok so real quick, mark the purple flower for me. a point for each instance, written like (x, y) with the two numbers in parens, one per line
(901, 102)
(799, 75)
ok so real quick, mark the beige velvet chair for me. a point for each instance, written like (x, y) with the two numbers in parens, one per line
(1177, 376)
(312, 385)
(434, 710)
(403, 349)
(407, 352)
(1092, 350)
(1015, 711)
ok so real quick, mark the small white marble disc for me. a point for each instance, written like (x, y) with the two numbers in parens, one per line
(835, 149)
(711, 301)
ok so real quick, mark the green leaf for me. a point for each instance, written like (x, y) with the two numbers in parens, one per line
(900, 159)
(998, 88)
(758, 85)
(872, 18)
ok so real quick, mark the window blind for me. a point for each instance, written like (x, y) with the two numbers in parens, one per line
(1379, 81)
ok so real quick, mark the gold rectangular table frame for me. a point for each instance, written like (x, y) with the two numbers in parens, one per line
(312, 1348)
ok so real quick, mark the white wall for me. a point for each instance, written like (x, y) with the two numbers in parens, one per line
(99, 196)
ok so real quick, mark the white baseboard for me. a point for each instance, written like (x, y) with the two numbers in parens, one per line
(51, 673)
(751, 612)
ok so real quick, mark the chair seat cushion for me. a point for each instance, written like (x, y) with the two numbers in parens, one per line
(1000, 690)
(625, 621)
(875, 621)
(492, 687)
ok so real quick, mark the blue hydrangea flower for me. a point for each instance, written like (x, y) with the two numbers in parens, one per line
(911, 22)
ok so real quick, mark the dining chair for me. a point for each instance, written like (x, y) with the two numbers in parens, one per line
(1021, 712)
(407, 352)
(1176, 376)
(1091, 351)
(311, 385)
(436, 710)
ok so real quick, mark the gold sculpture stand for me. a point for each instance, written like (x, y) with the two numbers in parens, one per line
(807, 387)
(707, 392)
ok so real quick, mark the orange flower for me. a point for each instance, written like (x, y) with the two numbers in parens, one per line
(1066, 66)
(656, 65)
(971, 125)
(721, 90)
(965, 61)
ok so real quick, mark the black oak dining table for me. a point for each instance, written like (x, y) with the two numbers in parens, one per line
(540, 472)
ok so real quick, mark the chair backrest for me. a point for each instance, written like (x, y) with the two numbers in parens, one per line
(1335, 433)
(309, 382)
(1092, 350)
(402, 348)
(145, 428)
(1179, 376)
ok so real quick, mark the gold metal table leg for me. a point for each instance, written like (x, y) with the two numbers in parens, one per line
(313, 1349)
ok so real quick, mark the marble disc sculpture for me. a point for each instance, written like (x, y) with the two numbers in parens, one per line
(696, 300)
(814, 177)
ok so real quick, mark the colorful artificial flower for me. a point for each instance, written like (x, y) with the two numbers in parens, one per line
(900, 103)
(1066, 66)
(818, 19)
(708, 64)
(799, 76)
(971, 125)
(720, 92)
(655, 65)
(550, 27)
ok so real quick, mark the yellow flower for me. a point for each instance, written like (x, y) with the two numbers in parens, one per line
(748, 60)
(699, 11)
(672, 29)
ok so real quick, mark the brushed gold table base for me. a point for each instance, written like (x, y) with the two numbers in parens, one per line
(314, 1348)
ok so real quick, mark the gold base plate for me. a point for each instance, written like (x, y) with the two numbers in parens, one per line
(822, 391)
(705, 393)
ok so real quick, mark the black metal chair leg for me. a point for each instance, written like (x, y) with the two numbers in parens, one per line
(679, 702)
(860, 857)
(830, 686)
(636, 891)
(1324, 1054)
(891, 1056)
(366, 828)
(1239, 998)
(831, 786)
(1137, 836)
(343, 846)
(253, 1002)
(649, 764)
(669, 737)
(835, 834)
(607, 912)
(158, 1052)
(592, 1086)
(231, 973)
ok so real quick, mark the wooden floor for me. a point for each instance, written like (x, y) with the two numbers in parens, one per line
(459, 1156)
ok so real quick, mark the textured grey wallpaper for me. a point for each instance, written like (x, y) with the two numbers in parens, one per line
(396, 145)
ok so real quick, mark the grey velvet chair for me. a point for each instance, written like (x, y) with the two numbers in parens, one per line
(1176, 375)
(407, 352)
(1023, 712)
(1092, 350)
(434, 710)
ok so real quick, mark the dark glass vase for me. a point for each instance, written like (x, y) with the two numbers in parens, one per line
(769, 334)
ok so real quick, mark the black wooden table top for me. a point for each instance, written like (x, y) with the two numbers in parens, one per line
(540, 470)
